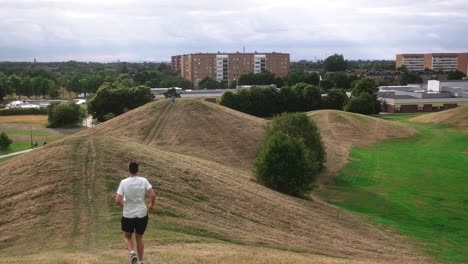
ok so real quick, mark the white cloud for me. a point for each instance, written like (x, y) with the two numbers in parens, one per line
(155, 30)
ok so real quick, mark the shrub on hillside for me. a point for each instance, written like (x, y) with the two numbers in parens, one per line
(23, 111)
(60, 115)
(291, 154)
(5, 141)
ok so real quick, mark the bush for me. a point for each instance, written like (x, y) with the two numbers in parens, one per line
(365, 104)
(116, 99)
(23, 111)
(291, 154)
(60, 115)
(5, 141)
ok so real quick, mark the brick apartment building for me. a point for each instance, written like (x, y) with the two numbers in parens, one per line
(434, 61)
(229, 67)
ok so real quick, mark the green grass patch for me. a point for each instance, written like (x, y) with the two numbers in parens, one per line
(416, 185)
(14, 147)
(26, 132)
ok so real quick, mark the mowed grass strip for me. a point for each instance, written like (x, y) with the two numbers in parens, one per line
(415, 185)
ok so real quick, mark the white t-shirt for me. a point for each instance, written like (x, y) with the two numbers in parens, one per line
(133, 189)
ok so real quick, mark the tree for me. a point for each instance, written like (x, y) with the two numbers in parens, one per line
(115, 99)
(335, 63)
(364, 104)
(455, 75)
(3, 86)
(5, 141)
(335, 99)
(310, 96)
(15, 83)
(365, 85)
(60, 115)
(291, 154)
(410, 77)
(208, 83)
(233, 85)
(171, 92)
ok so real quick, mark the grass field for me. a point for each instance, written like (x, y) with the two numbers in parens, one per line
(415, 185)
(24, 119)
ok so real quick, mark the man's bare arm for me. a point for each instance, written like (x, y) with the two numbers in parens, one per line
(119, 200)
(152, 199)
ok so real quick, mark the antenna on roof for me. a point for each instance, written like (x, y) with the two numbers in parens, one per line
(244, 49)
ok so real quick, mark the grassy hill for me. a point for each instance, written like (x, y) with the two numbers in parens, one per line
(56, 203)
(457, 117)
(415, 185)
(343, 130)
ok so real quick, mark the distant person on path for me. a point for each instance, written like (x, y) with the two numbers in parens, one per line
(131, 196)
(173, 99)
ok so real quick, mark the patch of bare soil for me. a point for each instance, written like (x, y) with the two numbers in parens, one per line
(342, 130)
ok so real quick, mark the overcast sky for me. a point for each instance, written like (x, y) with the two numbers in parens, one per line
(153, 30)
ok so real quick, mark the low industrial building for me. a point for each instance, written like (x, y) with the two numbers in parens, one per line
(431, 97)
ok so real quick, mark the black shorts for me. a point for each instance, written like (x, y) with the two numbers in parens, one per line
(137, 225)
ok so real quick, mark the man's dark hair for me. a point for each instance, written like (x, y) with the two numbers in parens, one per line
(133, 167)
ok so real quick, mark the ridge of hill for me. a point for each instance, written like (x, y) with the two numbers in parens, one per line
(65, 192)
(457, 117)
(343, 130)
(192, 127)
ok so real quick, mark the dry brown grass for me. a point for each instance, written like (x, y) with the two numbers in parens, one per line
(24, 119)
(65, 190)
(457, 117)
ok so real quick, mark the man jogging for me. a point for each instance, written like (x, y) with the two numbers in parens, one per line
(131, 196)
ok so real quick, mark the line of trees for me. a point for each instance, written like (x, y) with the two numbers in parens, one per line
(302, 97)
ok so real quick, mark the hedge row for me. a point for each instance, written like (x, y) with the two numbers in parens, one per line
(23, 111)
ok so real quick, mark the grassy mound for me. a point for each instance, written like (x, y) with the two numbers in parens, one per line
(343, 130)
(65, 191)
(457, 117)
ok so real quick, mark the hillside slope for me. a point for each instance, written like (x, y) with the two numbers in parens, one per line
(193, 127)
(457, 117)
(342, 130)
(64, 192)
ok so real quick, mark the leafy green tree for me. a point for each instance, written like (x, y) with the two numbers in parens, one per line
(281, 165)
(261, 78)
(185, 84)
(310, 96)
(335, 99)
(455, 75)
(115, 99)
(5, 141)
(364, 104)
(233, 84)
(60, 115)
(335, 63)
(365, 85)
(208, 83)
(291, 154)
(171, 92)
(15, 83)
(3, 86)
(410, 77)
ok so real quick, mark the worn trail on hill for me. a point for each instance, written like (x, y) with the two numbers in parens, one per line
(158, 125)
